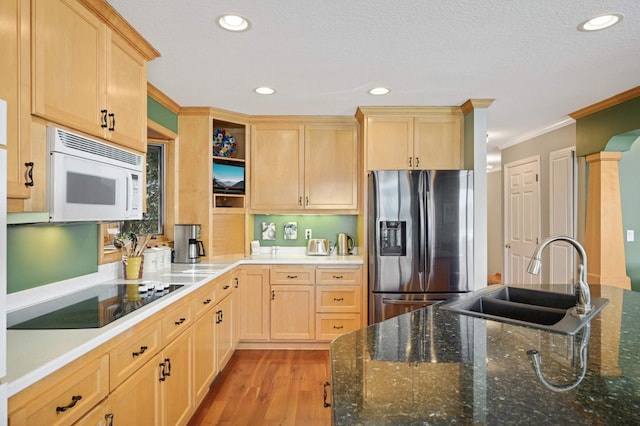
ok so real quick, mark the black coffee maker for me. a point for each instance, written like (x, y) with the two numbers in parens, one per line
(186, 244)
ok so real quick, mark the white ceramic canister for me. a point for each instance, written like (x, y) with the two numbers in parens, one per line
(164, 257)
(150, 260)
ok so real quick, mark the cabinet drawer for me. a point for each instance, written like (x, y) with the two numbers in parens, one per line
(330, 326)
(204, 299)
(177, 320)
(69, 394)
(224, 286)
(292, 274)
(338, 299)
(133, 348)
(340, 276)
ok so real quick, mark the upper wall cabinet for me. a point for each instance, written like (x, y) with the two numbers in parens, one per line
(309, 166)
(89, 70)
(399, 138)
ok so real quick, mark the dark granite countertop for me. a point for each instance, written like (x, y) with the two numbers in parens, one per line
(433, 367)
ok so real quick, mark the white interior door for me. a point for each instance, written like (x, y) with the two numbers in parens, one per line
(522, 219)
(562, 214)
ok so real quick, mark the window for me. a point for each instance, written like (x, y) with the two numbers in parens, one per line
(153, 220)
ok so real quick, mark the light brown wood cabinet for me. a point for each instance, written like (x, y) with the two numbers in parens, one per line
(304, 166)
(176, 391)
(253, 298)
(204, 354)
(85, 74)
(222, 216)
(339, 296)
(412, 138)
(15, 89)
(224, 321)
(292, 311)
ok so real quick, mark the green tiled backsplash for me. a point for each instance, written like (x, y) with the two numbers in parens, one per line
(322, 226)
(43, 254)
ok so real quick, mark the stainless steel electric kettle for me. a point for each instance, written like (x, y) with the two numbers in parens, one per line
(344, 244)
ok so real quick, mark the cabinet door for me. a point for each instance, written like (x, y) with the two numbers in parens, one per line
(224, 331)
(68, 59)
(126, 94)
(177, 389)
(204, 354)
(14, 69)
(100, 415)
(331, 167)
(277, 155)
(137, 400)
(292, 312)
(438, 142)
(389, 142)
(253, 296)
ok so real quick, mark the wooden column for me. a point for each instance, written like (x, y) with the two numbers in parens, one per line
(604, 242)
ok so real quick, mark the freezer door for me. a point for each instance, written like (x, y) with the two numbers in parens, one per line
(394, 227)
(449, 254)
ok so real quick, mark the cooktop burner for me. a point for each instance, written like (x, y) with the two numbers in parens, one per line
(93, 307)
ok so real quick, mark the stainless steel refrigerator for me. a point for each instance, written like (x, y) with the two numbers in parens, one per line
(420, 239)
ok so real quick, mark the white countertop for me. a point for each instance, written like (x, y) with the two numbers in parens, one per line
(34, 354)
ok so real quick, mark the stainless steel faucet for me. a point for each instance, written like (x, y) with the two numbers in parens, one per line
(582, 291)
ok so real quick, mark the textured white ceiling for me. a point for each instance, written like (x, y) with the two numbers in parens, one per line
(323, 56)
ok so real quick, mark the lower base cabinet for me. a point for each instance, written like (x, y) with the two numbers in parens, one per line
(204, 355)
(135, 401)
(176, 390)
(292, 312)
(224, 330)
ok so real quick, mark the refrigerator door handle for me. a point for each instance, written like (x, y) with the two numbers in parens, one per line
(404, 302)
(422, 232)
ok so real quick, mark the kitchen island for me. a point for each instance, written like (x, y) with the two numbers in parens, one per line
(433, 366)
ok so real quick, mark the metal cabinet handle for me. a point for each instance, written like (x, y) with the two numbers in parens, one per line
(168, 362)
(206, 302)
(29, 174)
(74, 401)
(163, 375)
(273, 295)
(140, 352)
(109, 418)
(338, 299)
(225, 287)
(338, 327)
(508, 245)
(299, 201)
(338, 277)
(307, 200)
(410, 162)
(292, 277)
(180, 321)
(237, 282)
(104, 118)
(324, 394)
(112, 128)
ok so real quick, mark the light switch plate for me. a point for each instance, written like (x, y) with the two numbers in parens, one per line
(630, 235)
(307, 234)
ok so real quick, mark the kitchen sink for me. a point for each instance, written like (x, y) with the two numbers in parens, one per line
(531, 308)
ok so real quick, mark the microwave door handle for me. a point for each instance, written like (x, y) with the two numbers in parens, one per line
(129, 192)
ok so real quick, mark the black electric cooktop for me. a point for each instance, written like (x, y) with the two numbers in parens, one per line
(93, 307)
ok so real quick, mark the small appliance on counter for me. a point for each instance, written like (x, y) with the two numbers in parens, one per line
(318, 247)
(186, 244)
(344, 244)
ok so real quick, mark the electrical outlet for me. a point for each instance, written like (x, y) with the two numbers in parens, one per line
(630, 235)
(307, 234)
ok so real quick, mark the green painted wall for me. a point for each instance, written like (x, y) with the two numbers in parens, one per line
(161, 115)
(322, 226)
(629, 170)
(43, 254)
(594, 131)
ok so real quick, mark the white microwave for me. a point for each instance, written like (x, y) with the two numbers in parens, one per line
(89, 180)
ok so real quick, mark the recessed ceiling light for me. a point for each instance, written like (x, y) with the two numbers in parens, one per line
(379, 91)
(264, 90)
(600, 22)
(234, 23)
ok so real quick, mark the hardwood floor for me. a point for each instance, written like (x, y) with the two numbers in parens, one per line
(270, 387)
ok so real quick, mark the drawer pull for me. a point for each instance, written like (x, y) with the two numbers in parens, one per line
(338, 327)
(29, 181)
(338, 277)
(140, 352)
(74, 401)
(206, 302)
(163, 374)
(338, 299)
(292, 277)
(109, 419)
(226, 287)
(181, 321)
(168, 362)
